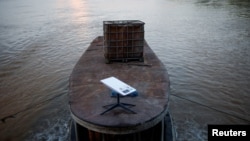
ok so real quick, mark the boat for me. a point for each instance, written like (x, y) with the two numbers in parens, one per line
(150, 121)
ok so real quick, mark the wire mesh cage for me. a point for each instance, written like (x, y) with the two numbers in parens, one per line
(123, 40)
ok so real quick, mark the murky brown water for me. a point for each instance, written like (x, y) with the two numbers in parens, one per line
(204, 44)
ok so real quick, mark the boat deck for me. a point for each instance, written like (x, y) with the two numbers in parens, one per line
(87, 95)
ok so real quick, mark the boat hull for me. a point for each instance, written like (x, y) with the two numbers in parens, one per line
(87, 95)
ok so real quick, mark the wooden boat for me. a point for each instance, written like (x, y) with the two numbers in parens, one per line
(87, 96)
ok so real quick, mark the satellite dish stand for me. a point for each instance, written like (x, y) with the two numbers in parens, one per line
(120, 88)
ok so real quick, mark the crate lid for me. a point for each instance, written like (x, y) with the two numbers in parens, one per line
(123, 22)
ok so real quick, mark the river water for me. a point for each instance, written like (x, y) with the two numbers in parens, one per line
(204, 44)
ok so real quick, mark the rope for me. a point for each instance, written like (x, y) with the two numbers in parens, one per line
(211, 108)
(29, 108)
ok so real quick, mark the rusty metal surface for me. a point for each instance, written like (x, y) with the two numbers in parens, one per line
(87, 94)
